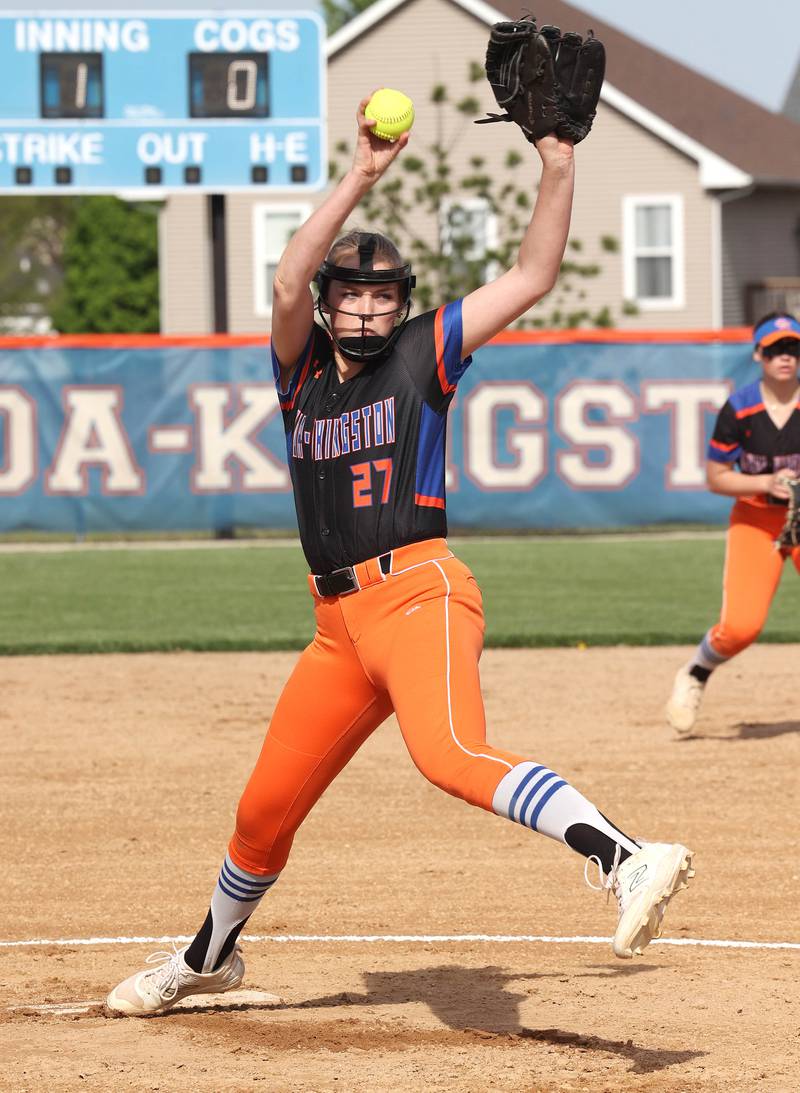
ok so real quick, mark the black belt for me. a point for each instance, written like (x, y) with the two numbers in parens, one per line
(341, 581)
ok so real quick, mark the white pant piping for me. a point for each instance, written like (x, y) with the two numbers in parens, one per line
(416, 565)
(473, 754)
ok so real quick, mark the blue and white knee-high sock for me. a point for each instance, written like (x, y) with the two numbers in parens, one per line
(235, 897)
(538, 798)
(706, 656)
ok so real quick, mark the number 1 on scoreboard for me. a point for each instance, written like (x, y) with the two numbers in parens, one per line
(71, 85)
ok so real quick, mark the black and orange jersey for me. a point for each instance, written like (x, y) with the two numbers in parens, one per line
(367, 456)
(746, 435)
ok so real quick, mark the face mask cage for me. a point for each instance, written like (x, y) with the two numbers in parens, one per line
(365, 346)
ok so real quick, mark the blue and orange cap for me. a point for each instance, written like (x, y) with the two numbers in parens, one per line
(775, 330)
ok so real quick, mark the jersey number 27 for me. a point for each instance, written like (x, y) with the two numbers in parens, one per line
(363, 485)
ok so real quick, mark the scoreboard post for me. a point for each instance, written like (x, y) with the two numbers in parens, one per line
(141, 102)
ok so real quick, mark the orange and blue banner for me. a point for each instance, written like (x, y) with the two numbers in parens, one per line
(591, 429)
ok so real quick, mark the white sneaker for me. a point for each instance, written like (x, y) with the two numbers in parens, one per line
(644, 884)
(155, 990)
(684, 702)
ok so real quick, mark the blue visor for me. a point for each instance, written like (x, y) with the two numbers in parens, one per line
(773, 330)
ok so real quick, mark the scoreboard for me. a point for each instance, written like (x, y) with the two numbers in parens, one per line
(217, 102)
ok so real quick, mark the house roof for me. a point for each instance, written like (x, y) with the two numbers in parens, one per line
(791, 108)
(735, 141)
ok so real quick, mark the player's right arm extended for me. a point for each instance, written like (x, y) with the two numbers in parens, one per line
(292, 302)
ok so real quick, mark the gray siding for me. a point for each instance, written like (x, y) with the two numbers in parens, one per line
(760, 239)
(620, 158)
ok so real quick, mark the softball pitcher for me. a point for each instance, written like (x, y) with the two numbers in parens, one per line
(365, 393)
(758, 431)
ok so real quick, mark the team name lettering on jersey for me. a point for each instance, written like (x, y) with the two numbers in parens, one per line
(357, 430)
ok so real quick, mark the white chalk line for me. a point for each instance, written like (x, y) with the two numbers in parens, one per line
(203, 1001)
(403, 939)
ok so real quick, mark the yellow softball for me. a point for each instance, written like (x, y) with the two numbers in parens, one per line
(393, 113)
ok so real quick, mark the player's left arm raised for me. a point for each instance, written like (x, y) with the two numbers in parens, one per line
(492, 307)
(549, 85)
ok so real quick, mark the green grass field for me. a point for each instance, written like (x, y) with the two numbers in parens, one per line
(537, 592)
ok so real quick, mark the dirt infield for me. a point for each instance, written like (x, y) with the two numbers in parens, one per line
(118, 783)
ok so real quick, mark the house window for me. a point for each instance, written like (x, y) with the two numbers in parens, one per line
(273, 227)
(468, 231)
(653, 250)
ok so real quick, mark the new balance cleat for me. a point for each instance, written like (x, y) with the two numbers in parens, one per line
(156, 989)
(684, 702)
(644, 884)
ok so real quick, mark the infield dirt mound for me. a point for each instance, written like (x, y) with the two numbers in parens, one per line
(118, 785)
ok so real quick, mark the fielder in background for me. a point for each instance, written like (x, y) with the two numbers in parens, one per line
(365, 393)
(758, 430)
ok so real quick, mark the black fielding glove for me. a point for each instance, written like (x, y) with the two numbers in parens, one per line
(545, 81)
(789, 536)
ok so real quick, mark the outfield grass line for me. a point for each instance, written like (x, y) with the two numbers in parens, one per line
(407, 939)
(457, 541)
(539, 592)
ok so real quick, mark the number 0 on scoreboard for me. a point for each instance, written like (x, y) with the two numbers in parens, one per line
(228, 85)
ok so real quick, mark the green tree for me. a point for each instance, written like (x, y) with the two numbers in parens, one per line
(446, 260)
(110, 281)
(339, 12)
(33, 230)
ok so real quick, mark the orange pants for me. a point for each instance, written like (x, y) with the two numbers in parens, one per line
(753, 570)
(407, 642)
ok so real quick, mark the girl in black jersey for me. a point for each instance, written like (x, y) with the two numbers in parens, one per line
(364, 395)
(758, 432)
